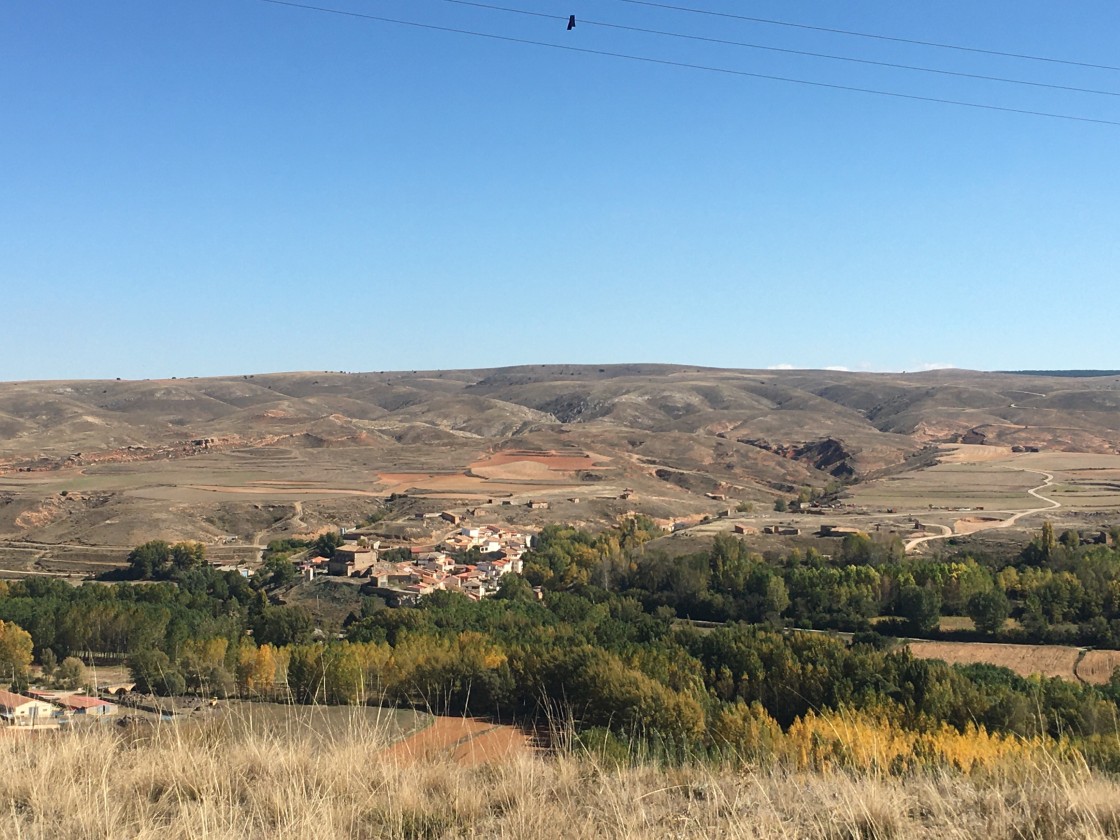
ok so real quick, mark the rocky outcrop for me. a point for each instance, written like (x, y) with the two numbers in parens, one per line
(827, 455)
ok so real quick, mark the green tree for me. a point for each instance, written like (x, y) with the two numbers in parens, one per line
(187, 555)
(279, 626)
(858, 549)
(155, 674)
(921, 607)
(277, 570)
(1033, 618)
(71, 673)
(1042, 548)
(147, 560)
(781, 506)
(515, 588)
(327, 543)
(989, 610)
(48, 661)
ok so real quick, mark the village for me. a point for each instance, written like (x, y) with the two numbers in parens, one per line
(493, 551)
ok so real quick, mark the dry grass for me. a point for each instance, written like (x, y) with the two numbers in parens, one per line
(956, 622)
(1097, 666)
(177, 782)
(1048, 660)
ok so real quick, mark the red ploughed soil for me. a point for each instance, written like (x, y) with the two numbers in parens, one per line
(465, 741)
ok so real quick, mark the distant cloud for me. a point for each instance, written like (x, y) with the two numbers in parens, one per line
(934, 366)
(839, 368)
(781, 367)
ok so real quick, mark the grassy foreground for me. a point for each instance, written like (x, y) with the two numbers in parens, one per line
(217, 782)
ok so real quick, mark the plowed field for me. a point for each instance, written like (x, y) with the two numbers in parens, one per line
(464, 741)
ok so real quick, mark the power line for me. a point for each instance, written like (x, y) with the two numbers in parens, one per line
(708, 68)
(771, 22)
(893, 65)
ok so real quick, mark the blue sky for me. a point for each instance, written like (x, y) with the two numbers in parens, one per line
(223, 187)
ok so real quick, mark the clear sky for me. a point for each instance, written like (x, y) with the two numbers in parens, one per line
(203, 187)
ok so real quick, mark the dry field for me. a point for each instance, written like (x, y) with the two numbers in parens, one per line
(998, 489)
(317, 723)
(1048, 660)
(174, 783)
(991, 485)
(998, 480)
(1096, 666)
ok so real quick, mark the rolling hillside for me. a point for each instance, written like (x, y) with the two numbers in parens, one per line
(670, 433)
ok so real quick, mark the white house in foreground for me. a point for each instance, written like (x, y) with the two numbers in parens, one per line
(17, 710)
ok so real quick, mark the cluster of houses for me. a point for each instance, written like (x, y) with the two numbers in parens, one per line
(489, 539)
(431, 568)
(50, 708)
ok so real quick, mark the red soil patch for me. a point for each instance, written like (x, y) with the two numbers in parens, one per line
(449, 482)
(465, 741)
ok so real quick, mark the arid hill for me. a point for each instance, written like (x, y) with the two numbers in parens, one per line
(106, 462)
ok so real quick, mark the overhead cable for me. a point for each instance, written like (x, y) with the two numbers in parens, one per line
(892, 65)
(772, 22)
(682, 64)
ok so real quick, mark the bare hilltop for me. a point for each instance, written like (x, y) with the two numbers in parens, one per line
(97, 466)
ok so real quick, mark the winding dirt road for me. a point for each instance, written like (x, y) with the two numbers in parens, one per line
(947, 532)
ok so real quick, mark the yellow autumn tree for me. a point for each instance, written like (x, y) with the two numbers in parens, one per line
(15, 653)
(745, 733)
(871, 741)
(258, 668)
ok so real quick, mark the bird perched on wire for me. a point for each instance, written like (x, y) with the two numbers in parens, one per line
(571, 22)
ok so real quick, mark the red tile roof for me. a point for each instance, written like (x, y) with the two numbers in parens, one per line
(13, 701)
(80, 701)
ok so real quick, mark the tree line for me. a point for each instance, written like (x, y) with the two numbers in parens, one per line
(603, 648)
(1055, 590)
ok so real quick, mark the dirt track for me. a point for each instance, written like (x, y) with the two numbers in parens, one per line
(970, 525)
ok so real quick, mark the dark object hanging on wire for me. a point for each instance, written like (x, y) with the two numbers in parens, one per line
(571, 22)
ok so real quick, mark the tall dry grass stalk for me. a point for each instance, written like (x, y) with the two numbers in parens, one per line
(222, 780)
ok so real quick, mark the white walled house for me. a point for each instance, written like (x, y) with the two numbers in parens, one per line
(17, 710)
